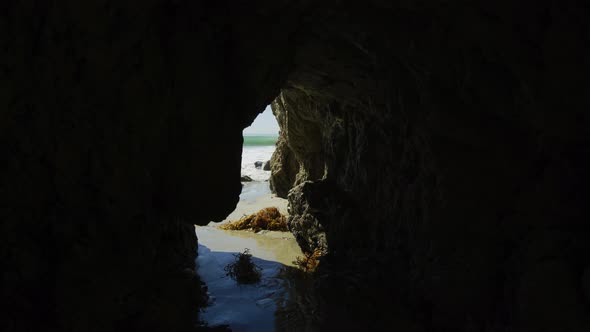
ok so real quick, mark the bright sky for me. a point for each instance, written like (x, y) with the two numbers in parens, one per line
(265, 123)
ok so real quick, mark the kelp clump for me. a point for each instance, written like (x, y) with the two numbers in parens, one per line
(243, 270)
(266, 219)
(310, 261)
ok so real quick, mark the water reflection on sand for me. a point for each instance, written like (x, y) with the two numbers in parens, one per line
(245, 307)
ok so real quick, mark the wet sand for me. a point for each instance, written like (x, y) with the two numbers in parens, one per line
(246, 307)
(254, 197)
(279, 247)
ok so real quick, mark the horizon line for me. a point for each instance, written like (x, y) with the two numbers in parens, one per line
(254, 134)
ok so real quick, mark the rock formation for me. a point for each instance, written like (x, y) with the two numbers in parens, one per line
(284, 168)
(443, 144)
(439, 153)
(107, 114)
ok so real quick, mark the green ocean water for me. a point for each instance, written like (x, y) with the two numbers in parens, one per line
(260, 140)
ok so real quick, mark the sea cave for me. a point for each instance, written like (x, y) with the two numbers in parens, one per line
(433, 153)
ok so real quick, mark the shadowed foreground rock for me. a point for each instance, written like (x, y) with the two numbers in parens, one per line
(443, 144)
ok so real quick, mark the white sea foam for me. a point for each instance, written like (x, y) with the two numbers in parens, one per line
(252, 154)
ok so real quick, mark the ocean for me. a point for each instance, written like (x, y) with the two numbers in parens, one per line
(257, 148)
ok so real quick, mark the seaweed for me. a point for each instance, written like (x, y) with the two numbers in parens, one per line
(243, 270)
(266, 219)
(310, 261)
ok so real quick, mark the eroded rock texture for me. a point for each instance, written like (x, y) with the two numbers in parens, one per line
(108, 110)
(446, 147)
(438, 147)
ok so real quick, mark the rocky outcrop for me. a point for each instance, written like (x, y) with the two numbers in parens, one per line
(245, 178)
(442, 161)
(266, 166)
(298, 156)
(284, 169)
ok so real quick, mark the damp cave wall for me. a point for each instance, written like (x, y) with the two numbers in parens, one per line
(446, 148)
(446, 138)
(107, 113)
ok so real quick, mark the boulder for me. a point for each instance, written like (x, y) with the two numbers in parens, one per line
(245, 178)
(266, 166)
(258, 164)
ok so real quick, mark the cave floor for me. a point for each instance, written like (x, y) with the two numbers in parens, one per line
(245, 307)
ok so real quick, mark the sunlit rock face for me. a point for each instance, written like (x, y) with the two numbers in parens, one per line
(447, 142)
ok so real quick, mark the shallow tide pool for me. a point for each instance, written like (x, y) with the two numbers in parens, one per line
(245, 307)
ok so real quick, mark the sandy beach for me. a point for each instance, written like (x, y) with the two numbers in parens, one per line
(279, 247)
(246, 307)
(254, 197)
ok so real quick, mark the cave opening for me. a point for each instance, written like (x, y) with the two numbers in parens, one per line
(436, 151)
(257, 227)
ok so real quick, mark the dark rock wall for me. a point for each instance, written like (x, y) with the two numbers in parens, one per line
(112, 114)
(446, 140)
(450, 144)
